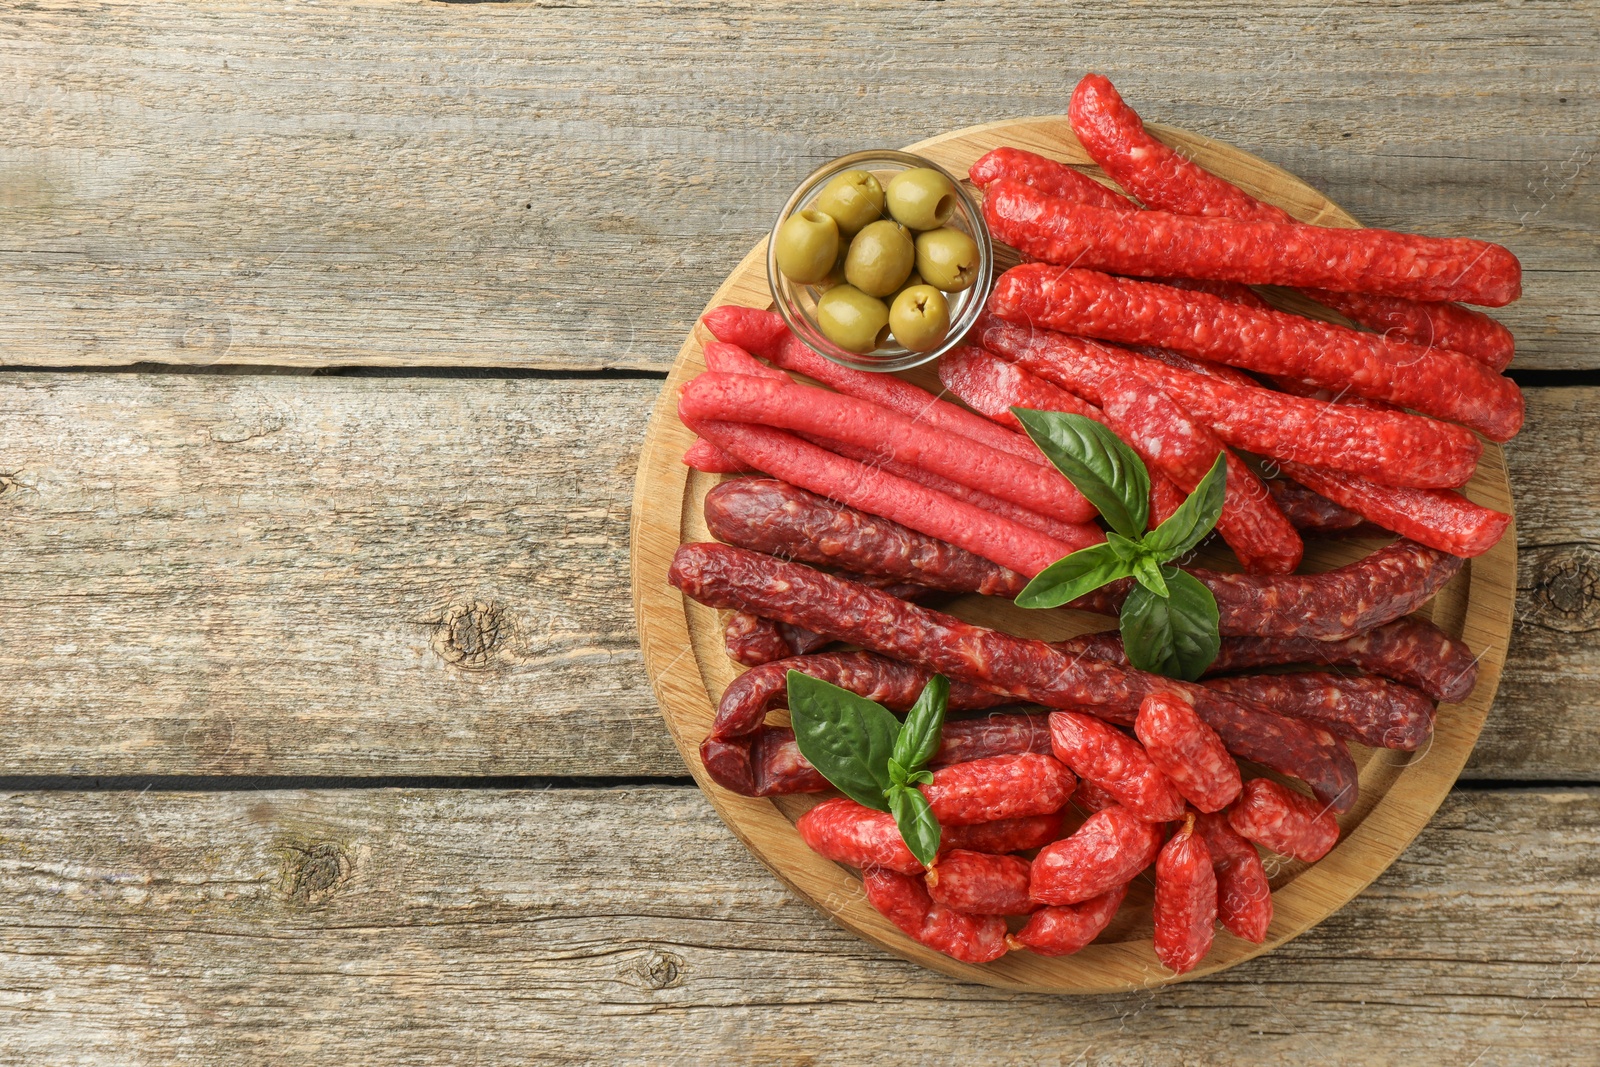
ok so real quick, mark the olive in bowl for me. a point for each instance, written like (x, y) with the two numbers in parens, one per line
(843, 313)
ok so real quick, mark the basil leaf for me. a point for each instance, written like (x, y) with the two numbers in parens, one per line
(1174, 635)
(848, 738)
(898, 775)
(1147, 572)
(918, 828)
(919, 737)
(1194, 518)
(1105, 470)
(1125, 548)
(1072, 576)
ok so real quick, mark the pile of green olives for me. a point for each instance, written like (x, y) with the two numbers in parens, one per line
(883, 257)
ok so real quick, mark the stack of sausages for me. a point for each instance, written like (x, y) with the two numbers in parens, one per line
(1064, 773)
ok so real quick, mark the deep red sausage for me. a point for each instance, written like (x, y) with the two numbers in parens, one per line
(768, 763)
(1244, 897)
(1312, 513)
(768, 516)
(1186, 751)
(1062, 929)
(998, 787)
(1436, 382)
(1437, 518)
(980, 883)
(1157, 244)
(1104, 755)
(1368, 710)
(1107, 851)
(723, 576)
(845, 832)
(765, 334)
(1385, 446)
(993, 387)
(1047, 175)
(1289, 823)
(1186, 900)
(1167, 180)
(877, 492)
(904, 902)
(1165, 436)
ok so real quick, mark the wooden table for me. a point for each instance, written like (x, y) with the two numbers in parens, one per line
(329, 333)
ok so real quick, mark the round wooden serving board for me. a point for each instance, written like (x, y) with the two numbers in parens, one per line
(684, 655)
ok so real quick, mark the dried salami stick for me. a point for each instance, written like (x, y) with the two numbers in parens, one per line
(1371, 711)
(1100, 753)
(1044, 174)
(1311, 512)
(1163, 434)
(751, 640)
(1156, 244)
(877, 492)
(895, 685)
(862, 424)
(1387, 446)
(777, 519)
(993, 387)
(980, 883)
(723, 576)
(845, 832)
(1187, 752)
(998, 787)
(1062, 929)
(1410, 651)
(1186, 900)
(1436, 382)
(1107, 851)
(1165, 179)
(768, 762)
(1438, 518)
(1244, 897)
(707, 458)
(905, 902)
(1288, 823)
(765, 334)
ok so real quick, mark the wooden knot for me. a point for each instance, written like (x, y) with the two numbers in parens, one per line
(1559, 587)
(657, 969)
(469, 636)
(315, 871)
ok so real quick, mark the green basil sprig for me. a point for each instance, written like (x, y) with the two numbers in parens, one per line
(869, 755)
(1169, 621)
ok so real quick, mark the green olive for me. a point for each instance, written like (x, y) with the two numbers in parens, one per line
(836, 272)
(920, 317)
(921, 198)
(880, 258)
(854, 199)
(808, 246)
(947, 259)
(853, 320)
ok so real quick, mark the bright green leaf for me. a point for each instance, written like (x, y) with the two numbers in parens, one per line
(919, 738)
(1125, 548)
(1194, 518)
(1105, 470)
(918, 827)
(1147, 572)
(847, 738)
(1072, 576)
(1176, 635)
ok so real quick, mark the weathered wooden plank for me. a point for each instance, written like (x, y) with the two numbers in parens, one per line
(248, 574)
(551, 186)
(628, 926)
(270, 575)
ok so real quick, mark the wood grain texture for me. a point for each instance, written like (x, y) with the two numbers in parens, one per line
(558, 186)
(383, 927)
(245, 575)
(248, 574)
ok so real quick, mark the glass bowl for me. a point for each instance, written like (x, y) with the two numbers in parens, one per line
(798, 303)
